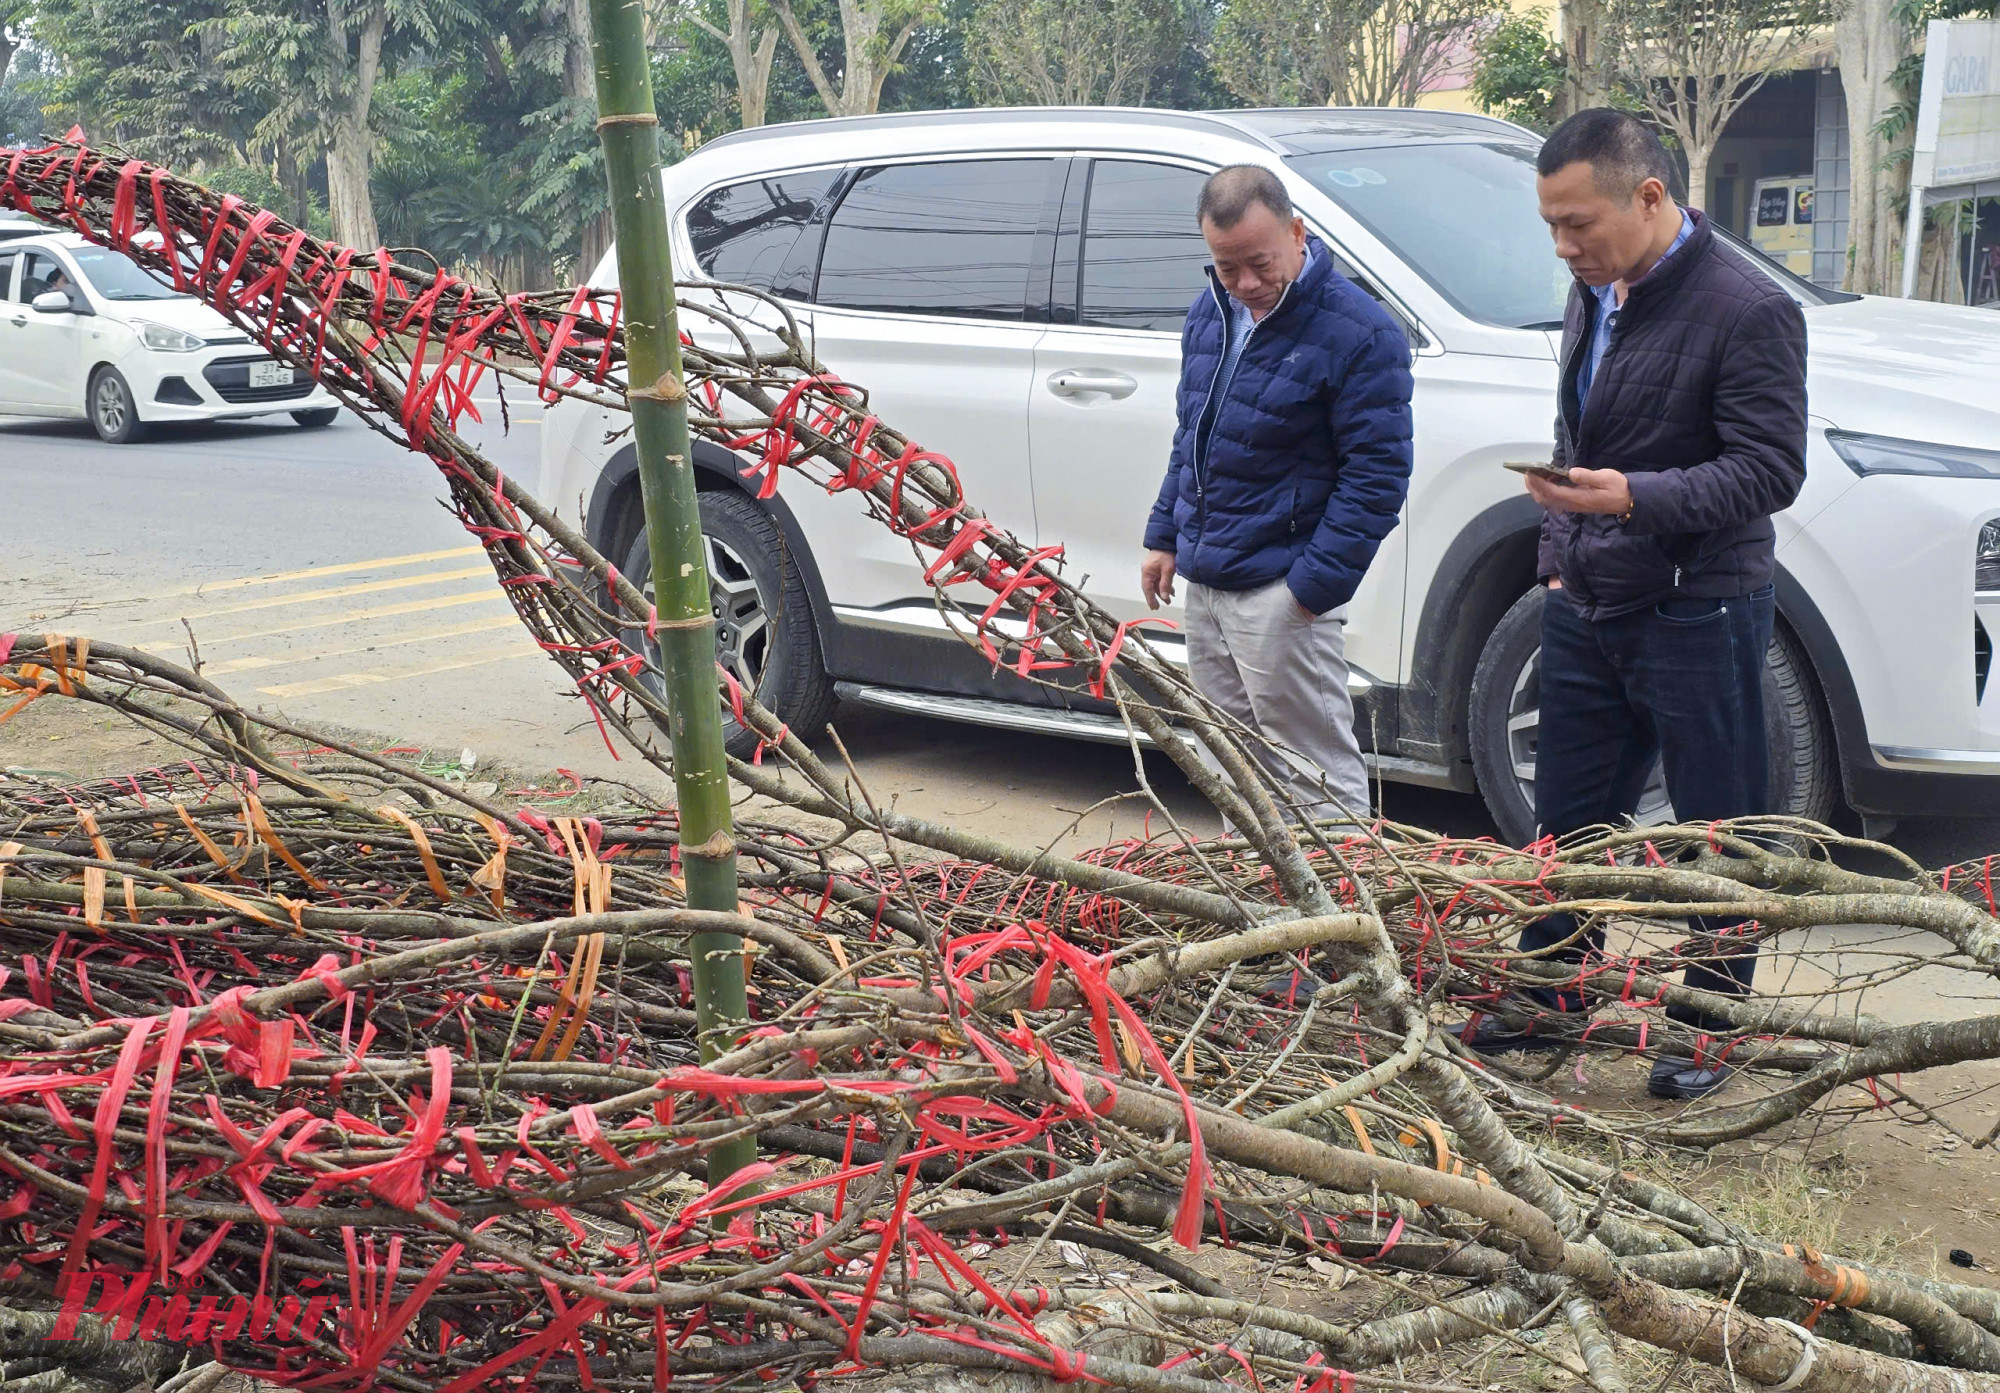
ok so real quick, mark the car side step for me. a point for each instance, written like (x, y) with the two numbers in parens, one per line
(999, 715)
(1086, 725)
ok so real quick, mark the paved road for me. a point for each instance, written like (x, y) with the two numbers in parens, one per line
(322, 578)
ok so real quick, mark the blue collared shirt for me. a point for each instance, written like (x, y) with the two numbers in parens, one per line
(1607, 315)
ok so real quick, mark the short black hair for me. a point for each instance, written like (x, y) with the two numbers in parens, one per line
(1622, 151)
(1229, 192)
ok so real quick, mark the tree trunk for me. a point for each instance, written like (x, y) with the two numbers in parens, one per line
(351, 149)
(579, 82)
(347, 163)
(1869, 41)
(1580, 28)
(753, 77)
(290, 172)
(1698, 157)
(8, 48)
(865, 60)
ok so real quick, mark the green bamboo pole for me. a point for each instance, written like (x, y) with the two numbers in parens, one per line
(629, 130)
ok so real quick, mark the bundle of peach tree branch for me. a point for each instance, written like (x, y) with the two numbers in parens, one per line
(324, 1067)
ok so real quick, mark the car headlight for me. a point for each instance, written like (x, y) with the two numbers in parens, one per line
(1986, 565)
(1882, 454)
(160, 337)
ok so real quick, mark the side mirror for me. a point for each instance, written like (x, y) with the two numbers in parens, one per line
(52, 302)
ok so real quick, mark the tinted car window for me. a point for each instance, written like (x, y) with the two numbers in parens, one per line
(7, 260)
(1142, 251)
(118, 277)
(954, 238)
(41, 273)
(741, 234)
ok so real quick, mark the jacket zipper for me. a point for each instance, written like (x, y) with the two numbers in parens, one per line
(1572, 439)
(1201, 451)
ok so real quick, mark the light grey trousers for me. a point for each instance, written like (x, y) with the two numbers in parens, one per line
(1257, 655)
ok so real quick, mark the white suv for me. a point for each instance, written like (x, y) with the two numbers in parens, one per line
(1010, 287)
(87, 332)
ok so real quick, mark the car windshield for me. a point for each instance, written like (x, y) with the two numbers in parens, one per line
(118, 277)
(1463, 215)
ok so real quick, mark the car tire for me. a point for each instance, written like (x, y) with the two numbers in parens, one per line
(765, 633)
(318, 417)
(112, 409)
(1505, 702)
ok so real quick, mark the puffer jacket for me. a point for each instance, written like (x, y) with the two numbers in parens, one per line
(1308, 458)
(1700, 402)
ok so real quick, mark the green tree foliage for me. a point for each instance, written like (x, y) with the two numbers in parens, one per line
(1343, 52)
(21, 96)
(464, 127)
(1519, 71)
(143, 73)
(14, 17)
(256, 184)
(1075, 52)
(315, 65)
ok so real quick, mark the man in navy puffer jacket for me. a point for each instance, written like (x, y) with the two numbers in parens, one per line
(1290, 465)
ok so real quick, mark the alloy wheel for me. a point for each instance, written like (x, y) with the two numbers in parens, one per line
(742, 622)
(110, 404)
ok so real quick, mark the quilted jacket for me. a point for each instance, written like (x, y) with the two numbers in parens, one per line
(1308, 458)
(1701, 402)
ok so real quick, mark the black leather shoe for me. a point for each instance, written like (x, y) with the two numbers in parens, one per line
(1294, 989)
(1685, 1079)
(1489, 1035)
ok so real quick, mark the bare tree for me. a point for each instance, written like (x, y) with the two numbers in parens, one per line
(1342, 52)
(873, 35)
(1871, 41)
(751, 39)
(1693, 63)
(1073, 52)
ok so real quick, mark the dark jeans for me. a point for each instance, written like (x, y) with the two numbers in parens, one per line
(1682, 681)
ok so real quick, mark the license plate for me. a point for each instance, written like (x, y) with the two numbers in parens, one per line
(270, 375)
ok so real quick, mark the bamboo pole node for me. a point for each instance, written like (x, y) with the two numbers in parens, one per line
(667, 389)
(719, 846)
(628, 118)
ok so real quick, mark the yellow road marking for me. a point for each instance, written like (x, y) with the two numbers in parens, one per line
(379, 563)
(337, 592)
(345, 680)
(471, 597)
(259, 661)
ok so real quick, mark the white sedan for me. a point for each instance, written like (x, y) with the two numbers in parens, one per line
(86, 332)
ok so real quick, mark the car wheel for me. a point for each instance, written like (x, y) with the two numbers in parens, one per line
(321, 416)
(1505, 718)
(113, 413)
(764, 632)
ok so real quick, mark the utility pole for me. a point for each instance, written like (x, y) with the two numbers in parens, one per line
(628, 128)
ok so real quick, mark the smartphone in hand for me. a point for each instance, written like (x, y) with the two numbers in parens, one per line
(1547, 472)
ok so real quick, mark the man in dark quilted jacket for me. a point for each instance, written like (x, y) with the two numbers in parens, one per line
(1290, 465)
(1681, 425)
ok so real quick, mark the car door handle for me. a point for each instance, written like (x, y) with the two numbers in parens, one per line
(1074, 382)
(20, 323)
